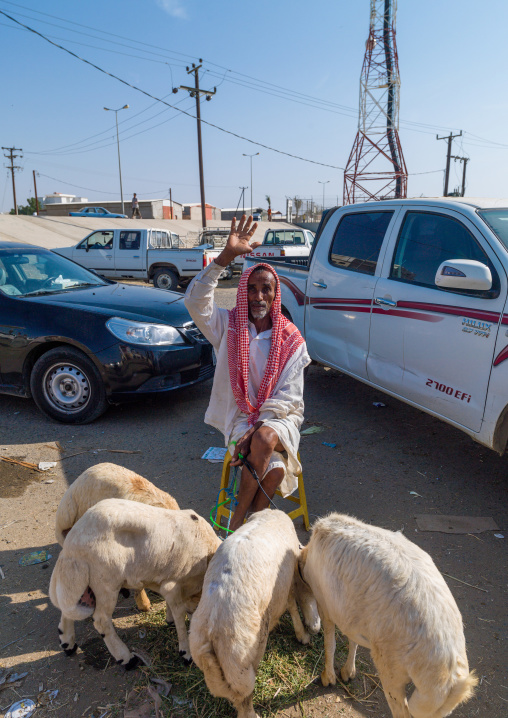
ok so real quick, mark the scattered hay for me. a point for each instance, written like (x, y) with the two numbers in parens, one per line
(285, 676)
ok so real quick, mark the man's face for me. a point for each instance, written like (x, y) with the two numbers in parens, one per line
(260, 293)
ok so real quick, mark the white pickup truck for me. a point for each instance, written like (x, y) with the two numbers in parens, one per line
(284, 243)
(150, 254)
(410, 297)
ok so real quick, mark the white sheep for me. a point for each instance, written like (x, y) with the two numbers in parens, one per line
(252, 579)
(385, 593)
(108, 481)
(122, 544)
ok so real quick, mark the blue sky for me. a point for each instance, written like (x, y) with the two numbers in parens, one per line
(453, 67)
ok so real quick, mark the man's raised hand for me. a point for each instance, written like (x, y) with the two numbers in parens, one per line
(239, 240)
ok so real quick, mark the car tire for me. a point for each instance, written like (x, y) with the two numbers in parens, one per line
(165, 279)
(67, 386)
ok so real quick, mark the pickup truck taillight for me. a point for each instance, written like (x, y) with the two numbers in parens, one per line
(204, 260)
(282, 252)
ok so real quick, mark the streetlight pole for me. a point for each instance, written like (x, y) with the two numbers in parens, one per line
(323, 183)
(251, 156)
(108, 109)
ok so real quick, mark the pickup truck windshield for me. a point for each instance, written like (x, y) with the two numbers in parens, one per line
(497, 219)
(285, 237)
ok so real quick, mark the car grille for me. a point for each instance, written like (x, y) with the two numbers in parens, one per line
(194, 333)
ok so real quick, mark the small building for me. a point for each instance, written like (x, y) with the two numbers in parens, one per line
(60, 198)
(149, 208)
(193, 211)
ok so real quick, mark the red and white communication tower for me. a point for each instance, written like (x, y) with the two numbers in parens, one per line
(376, 169)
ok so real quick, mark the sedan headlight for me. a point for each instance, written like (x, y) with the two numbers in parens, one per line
(144, 332)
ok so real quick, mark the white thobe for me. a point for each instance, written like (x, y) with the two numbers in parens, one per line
(283, 411)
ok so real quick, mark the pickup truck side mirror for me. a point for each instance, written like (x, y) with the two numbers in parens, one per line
(464, 274)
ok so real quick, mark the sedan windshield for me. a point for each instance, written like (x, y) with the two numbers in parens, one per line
(497, 219)
(37, 271)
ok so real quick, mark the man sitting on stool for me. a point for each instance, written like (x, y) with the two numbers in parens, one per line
(257, 393)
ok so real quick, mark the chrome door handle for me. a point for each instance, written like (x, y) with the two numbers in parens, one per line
(385, 302)
(319, 284)
(109, 256)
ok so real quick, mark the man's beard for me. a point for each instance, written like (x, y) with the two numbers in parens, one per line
(258, 312)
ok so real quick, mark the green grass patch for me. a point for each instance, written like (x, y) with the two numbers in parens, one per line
(284, 677)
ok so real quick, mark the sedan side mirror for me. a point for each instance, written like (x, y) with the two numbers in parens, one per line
(464, 274)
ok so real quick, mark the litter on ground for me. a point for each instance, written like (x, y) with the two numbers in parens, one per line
(21, 709)
(29, 559)
(378, 404)
(327, 443)
(215, 454)
(46, 465)
(312, 430)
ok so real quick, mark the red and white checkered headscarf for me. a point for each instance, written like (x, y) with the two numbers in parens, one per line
(285, 341)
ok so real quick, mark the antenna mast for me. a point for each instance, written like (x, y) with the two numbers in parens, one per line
(376, 169)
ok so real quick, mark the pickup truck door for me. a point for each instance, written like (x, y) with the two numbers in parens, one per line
(130, 253)
(96, 252)
(340, 287)
(431, 345)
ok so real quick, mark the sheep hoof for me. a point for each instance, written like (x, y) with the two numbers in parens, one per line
(328, 680)
(304, 639)
(133, 663)
(346, 677)
(69, 651)
(187, 661)
(125, 592)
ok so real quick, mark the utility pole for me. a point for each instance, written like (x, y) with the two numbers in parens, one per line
(448, 156)
(465, 160)
(251, 156)
(35, 190)
(11, 156)
(171, 203)
(196, 92)
(242, 200)
(323, 183)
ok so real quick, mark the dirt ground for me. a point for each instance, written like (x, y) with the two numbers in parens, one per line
(389, 464)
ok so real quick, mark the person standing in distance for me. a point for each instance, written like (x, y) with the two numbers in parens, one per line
(257, 392)
(135, 207)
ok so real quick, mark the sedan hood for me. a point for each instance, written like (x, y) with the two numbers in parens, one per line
(122, 300)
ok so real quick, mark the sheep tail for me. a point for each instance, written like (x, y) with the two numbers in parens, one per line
(219, 683)
(461, 692)
(69, 588)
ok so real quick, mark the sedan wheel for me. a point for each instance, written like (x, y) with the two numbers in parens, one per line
(67, 386)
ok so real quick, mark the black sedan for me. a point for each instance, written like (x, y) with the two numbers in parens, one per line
(75, 341)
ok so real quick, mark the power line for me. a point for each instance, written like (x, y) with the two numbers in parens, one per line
(153, 97)
(249, 78)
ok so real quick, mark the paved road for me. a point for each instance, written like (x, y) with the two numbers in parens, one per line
(389, 465)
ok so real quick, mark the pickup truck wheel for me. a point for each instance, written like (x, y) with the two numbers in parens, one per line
(67, 386)
(227, 273)
(165, 279)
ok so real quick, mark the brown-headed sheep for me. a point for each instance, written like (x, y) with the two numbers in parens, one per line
(108, 481)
